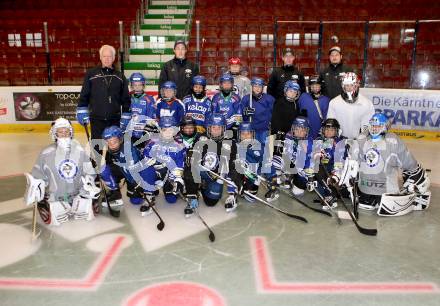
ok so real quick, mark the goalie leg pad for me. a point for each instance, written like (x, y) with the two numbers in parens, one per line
(82, 208)
(35, 189)
(396, 204)
(422, 200)
(54, 213)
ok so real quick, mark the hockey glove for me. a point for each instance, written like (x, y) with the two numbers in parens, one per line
(82, 115)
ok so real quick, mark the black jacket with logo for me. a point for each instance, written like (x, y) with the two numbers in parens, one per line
(180, 72)
(280, 76)
(331, 78)
(105, 92)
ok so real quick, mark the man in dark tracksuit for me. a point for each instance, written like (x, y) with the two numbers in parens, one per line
(104, 95)
(179, 70)
(281, 75)
(331, 76)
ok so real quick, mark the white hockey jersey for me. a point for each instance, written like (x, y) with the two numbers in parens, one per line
(353, 117)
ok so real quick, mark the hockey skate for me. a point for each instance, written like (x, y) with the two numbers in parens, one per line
(231, 203)
(115, 199)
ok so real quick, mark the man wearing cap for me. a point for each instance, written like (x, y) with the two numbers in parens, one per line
(242, 85)
(179, 70)
(331, 76)
(281, 75)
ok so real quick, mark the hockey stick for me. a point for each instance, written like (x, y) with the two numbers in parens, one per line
(113, 213)
(255, 197)
(35, 234)
(335, 214)
(211, 233)
(296, 199)
(161, 224)
(362, 230)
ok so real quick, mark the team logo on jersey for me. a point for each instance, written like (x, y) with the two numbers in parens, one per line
(210, 160)
(188, 73)
(67, 169)
(372, 157)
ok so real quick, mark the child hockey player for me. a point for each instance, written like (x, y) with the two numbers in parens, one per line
(380, 155)
(125, 162)
(215, 153)
(258, 111)
(169, 105)
(142, 115)
(242, 85)
(198, 105)
(228, 103)
(62, 180)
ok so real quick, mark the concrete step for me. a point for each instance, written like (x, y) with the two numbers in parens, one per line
(162, 29)
(170, 2)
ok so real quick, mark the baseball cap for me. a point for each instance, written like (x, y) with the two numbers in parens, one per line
(179, 42)
(287, 51)
(335, 48)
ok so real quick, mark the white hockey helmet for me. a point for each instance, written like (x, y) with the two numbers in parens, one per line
(60, 123)
(352, 80)
(396, 204)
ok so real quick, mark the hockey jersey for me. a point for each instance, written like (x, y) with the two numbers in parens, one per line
(198, 109)
(143, 112)
(62, 170)
(173, 108)
(263, 111)
(379, 163)
(242, 85)
(353, 117)
(229, 106)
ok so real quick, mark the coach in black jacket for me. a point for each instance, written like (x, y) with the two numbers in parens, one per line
(104, 95)
(281, 75)
(331, 76)
(179, 70)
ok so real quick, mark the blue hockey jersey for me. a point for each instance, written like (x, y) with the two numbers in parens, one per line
(143, 112)
(229, 106)
(173, 108)
(198, 109)
(263, 111)
(169, 154)
(135, 171)
(316, 112)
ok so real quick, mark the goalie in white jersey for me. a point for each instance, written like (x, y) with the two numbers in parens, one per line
(351, 109)
(381, 155)
(62, 180)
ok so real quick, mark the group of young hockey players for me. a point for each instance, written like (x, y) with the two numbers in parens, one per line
(197, 147)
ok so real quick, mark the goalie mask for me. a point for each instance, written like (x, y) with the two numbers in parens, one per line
(61, 132)
(350, 87)
(396, 204)
(378, 126)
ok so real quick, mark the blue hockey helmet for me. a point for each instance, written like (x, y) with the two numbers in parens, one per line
(246, 127)
(112, 131)
(167, 121)
(257, 82)
(291, 85)
(216, 119)
(169, 85)
(226, 77)
(299, 125)
(198, 80)
(378, 126)
(137, 77)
